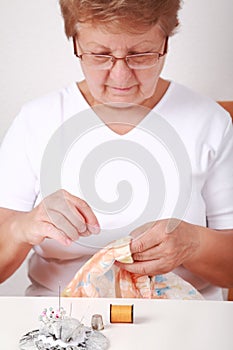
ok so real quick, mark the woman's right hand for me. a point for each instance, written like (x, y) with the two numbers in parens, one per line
(60, 216)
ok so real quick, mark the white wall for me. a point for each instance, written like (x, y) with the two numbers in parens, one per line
(36, 58)
(35, 54)
(201, 54)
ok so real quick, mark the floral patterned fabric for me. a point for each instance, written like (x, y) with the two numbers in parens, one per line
(100, 277)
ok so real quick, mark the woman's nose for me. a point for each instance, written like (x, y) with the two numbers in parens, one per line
(120, 71)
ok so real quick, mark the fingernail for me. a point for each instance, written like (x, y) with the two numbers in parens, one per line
(94, 229)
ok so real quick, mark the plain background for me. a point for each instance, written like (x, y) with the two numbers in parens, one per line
(36, 58)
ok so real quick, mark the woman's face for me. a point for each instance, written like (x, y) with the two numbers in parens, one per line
(121, 83)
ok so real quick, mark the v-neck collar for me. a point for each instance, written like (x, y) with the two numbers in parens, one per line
(139, 125)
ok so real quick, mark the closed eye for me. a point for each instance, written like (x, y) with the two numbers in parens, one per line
(131, 53)
(100, 53)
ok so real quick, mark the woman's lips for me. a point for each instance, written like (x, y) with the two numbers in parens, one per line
(121, 90)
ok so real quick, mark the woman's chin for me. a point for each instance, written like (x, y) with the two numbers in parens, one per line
(122, 101)
(119, 105)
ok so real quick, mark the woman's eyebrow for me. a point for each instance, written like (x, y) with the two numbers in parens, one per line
(139, 45)
(92, 43)
(144, 44)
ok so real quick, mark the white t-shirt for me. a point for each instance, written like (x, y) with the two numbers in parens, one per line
(178, 162)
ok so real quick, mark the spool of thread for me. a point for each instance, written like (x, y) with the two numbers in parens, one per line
(121, 313)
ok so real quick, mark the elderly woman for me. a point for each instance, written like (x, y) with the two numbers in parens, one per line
(122, 105)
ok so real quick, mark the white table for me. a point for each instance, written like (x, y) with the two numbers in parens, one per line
(158, 324)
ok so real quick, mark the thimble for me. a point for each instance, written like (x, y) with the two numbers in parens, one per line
(97, 322)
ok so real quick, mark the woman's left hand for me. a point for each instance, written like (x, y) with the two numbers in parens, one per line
(161, 246)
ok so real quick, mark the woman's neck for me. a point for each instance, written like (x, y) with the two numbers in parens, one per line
(122, 119)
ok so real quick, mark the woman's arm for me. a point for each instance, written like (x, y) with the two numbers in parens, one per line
(206, 252)
(60, 216)
(13, 250)
(214, 259)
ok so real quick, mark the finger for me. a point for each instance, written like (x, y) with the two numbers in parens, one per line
(76, 220)
(50, 231)
(151, 237)
(75, 209)
(59, 202)
(87, 213)
(141, 229)
(75, 217)
(62, 223)
(145, 268)
(152, 253)
(67, 204)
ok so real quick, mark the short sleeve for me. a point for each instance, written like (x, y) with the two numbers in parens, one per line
(218, 189)
(17, 178)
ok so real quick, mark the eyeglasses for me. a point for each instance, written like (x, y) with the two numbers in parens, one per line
(135, 61)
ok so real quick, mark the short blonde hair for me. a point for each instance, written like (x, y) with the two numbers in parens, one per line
(129, 15)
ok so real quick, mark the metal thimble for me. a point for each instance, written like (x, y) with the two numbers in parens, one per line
(97, 322)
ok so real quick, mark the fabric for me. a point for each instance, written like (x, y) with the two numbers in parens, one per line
(205, 130)
(99, 277)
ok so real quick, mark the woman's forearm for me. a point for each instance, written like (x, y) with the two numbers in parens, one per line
(13, 251)
(214, 259)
